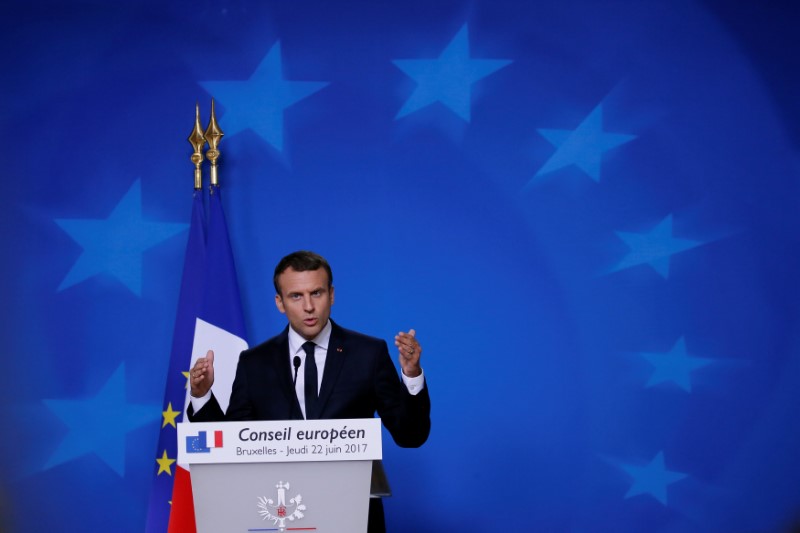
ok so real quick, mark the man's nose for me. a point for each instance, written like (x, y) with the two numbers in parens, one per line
(308, 303)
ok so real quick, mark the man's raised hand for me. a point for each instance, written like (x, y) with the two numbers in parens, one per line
(201, 376)
(410, 351)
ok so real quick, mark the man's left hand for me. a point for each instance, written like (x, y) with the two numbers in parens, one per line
(410, 352)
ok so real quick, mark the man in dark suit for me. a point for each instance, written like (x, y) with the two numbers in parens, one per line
(357, 377)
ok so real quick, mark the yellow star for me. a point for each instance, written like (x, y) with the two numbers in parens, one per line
(164, 464)
(169, 416)
(186, 375)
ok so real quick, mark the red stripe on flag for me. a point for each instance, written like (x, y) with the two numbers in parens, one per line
(218, 439)
(181, 519)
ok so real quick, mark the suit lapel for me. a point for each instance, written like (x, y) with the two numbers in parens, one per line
(286, 370)
(334, 361)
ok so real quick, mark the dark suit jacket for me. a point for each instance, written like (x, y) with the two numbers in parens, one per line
(359, 380)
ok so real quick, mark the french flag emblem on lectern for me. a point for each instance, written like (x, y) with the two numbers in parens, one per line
(201, 444)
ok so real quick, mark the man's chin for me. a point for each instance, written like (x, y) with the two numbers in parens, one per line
(308, 332)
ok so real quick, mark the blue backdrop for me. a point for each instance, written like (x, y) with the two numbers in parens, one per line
(587, 209)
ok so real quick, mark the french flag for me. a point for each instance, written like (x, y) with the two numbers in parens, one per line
(215, 441)
(209, 318)
(219, 327)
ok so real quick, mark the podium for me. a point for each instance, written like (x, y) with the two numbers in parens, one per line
(292, 475)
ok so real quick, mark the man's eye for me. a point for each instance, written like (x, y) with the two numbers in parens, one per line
(294, 296)
(316, 293)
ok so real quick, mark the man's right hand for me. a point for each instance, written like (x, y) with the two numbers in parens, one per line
(202, 375)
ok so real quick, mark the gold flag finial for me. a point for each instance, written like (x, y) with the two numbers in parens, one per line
(213, 136)
(197, 140)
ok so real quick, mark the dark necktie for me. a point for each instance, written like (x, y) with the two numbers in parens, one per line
(311, 381)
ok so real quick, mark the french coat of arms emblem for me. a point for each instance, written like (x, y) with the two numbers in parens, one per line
(280, 510)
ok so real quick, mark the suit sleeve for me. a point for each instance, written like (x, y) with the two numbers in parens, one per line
(210, 412)
(406, 416)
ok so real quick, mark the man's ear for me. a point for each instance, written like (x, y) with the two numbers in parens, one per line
(279, 304)
(332, 295)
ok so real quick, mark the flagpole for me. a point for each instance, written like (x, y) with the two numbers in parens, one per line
(197, 140)
(213, 136)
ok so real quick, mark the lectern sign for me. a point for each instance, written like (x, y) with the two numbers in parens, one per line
(285, 475)
(279, 441)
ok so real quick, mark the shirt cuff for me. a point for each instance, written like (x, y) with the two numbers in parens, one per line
(414, 385)
(198, 403)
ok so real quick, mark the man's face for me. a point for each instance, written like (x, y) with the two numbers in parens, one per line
(305, 299)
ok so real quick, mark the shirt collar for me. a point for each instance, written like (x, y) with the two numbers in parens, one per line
(296, 340)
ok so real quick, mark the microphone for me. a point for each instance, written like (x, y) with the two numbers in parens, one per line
(296, 363)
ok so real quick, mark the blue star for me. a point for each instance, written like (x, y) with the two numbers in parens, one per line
(448, 78)
(653, 248)
(115, 244)
(675, 366)
(99, 424)
(583, 147)
(652, 479)
(259, 102)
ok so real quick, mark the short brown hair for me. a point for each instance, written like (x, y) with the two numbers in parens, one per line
(301, 261)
